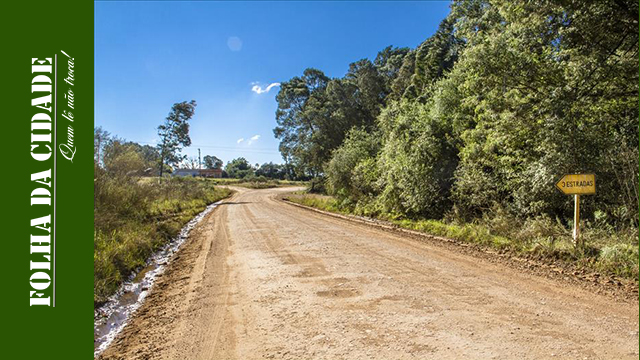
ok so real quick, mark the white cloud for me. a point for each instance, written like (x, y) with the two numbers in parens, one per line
(259, 90)
(240, 140)
(253, 138)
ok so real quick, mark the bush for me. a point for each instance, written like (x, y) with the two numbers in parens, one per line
(417, 160)
(351, 172)
(317, 185)
(621, 259)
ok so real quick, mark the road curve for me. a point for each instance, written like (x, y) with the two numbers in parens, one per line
(262, 279)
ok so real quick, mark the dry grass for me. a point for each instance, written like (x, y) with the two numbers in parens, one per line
(134, 217)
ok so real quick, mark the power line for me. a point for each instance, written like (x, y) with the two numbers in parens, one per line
(223, 148)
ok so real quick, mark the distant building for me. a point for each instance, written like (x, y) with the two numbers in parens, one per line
(207, 173)
(211, 173)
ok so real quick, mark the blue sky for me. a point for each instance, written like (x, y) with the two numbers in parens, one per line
(224, 55)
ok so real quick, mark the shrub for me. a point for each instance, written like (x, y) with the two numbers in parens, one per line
(621, 259)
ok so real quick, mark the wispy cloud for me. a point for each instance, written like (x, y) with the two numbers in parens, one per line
(259, 89)
(240, 140)
(253, 138)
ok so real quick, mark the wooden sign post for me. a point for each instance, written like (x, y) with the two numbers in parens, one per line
(576, 185)
(576, 218)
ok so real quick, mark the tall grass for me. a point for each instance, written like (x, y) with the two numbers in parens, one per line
(136, 216)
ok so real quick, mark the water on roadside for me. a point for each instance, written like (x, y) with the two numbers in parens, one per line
(111, 318)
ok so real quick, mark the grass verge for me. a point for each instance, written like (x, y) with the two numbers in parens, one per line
(607, 251)
(135, 217)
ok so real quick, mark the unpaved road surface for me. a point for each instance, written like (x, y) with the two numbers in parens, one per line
(262, 279)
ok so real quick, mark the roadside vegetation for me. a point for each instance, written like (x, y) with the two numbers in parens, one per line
(258, 182)
(609, 252)
(240, 172)
(139, 207)
(134, 218)
(135, 211)
(466, 134)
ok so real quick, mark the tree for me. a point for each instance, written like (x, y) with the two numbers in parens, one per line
(388, 62)
(315, 113)
(541, 80)
(122, 159)
(369, 90)
(271, 170)
(299, 109)
(239, 168)
(212, 162)
(417, 160)
(190, 162)
(345, 172)
(430, 61)
(174, 134)
(151, 156)
(100, 139)
(487, 113)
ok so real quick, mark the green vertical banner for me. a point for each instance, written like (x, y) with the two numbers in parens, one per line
(47, 60)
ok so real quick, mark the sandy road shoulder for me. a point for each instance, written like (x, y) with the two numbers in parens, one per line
(158, 329)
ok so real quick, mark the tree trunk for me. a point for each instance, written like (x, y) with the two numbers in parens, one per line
(161, 163)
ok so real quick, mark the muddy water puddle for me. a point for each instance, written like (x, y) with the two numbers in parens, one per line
(112, 317)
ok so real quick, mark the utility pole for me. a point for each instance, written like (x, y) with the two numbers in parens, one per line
(199, 163)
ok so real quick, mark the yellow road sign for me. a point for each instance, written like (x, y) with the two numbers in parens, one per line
(580, 184)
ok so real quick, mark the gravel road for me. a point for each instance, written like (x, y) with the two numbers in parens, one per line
(262, 279)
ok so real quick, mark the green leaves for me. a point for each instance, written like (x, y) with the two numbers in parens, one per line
(528, 77)
(212, 162)
(350, 172)
(238, 168)
(174, 133)
(504, 98)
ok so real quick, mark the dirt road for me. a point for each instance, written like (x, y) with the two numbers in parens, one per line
(262, 279)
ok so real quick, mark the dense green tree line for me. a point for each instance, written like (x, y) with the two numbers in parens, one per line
(487, 113)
